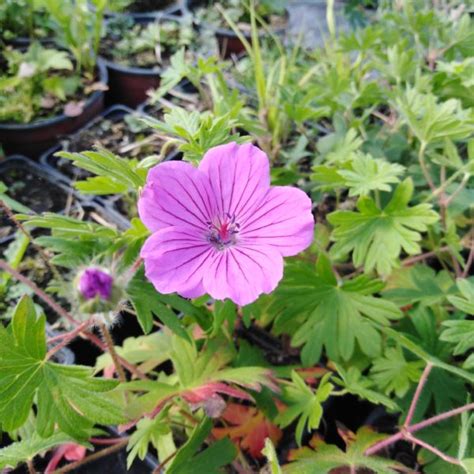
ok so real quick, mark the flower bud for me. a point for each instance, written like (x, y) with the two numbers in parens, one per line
(94, 282)
(97, 291)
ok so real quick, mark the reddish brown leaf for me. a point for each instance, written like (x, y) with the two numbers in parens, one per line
(249, 428)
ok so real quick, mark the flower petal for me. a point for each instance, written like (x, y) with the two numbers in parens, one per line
(243, 273)
(176, 194)
(284, 221)
(175, 260)
(239, 176)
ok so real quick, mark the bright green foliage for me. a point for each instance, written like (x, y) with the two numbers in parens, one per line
(270, 453)
(377, 236)
(197, 132)
(28, 448)
(432, 121)
(332, 314)
(354, 382)
(113, 175)
(461, 333)
(304, 404)
(210, 460)
(65, 395)
(394, 374)
(361, 175)
(149, 431)
(323, 458)
(465, 302)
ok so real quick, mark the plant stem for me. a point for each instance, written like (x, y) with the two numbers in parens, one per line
(93, 457)
(68, 337)
(417, 258)
(38, 292)
(164, 462)
(107, 441)
(23, 230)
(416, 397)
(424, 168)
(113, 353)
(434, 450)
(31, 467)
(130, 367)
(63, 313)
(416, 427)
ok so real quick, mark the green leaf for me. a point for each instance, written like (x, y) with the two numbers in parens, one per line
(377, 236)
(26, 449)
(354, 382)
(393, 373)
(303, 404)
(66, 396)
(117, 174)
(148, 431)
(330, 314)
(269, 452)
(147, 302)
(431, 120)
(324, 457)
(369, 174)
(210, 460)
(465, 302)
(460, 333)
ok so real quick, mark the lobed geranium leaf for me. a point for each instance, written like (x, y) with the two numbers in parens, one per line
(210, 461)
(304, 404)
(331, 314)
(465, 302)
(26, 449)
(375, 236)
(66, 396)
(322, 458)
(394, 374)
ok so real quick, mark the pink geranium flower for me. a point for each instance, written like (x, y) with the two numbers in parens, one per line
(221, 228)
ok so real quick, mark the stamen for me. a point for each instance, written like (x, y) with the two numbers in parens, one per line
(223, 231)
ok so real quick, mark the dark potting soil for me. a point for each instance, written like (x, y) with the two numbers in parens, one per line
(34, 191)
(146, 6)
(114, 135)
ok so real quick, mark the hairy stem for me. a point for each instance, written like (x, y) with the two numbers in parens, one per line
(416, 397)
(93, 457)
(68, 337)
(46, 259)
(417, 427)
(38, 292)
(113, 353)
(63, 313)
(434, 450)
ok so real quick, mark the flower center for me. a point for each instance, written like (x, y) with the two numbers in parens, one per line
(223, 231)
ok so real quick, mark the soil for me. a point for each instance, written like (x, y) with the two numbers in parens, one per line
(115, 135)
(147, 6)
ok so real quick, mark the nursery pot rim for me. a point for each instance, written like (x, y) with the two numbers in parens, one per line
(42, 123)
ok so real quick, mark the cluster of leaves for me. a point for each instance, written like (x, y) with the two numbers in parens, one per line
(377, 127)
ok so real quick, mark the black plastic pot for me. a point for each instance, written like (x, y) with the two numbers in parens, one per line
(229, 43)
(33, 138)
(129, 85)
(63, 167)
(174, 8)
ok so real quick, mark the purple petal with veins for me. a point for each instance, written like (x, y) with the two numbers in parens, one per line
(221, 228)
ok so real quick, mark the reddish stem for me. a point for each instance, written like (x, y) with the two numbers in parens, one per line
(68, 337)
(416, 427)
(106, 441)
(434, 450)
(38, 292)
(416, 397)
